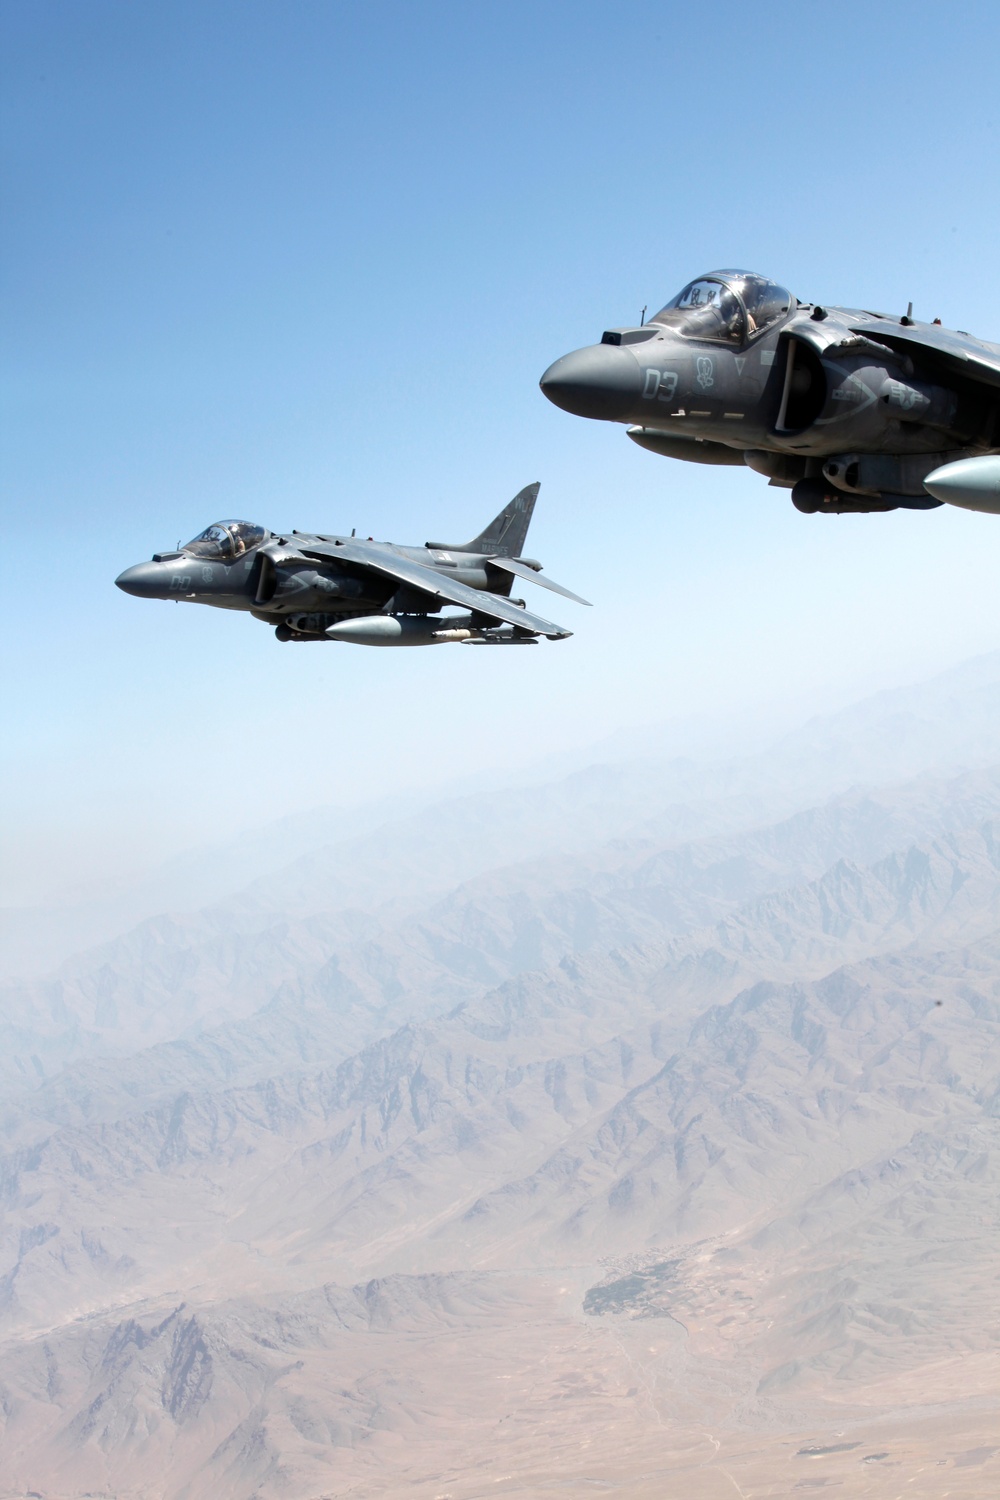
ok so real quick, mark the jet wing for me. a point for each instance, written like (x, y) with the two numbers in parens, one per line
(955, 352)
(521, 570)
(381, 560)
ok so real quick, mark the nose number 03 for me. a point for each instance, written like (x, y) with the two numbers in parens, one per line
(660, 383)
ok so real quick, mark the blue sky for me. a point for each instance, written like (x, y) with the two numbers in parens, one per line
(304, 263)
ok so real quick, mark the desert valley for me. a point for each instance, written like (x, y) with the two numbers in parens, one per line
(632, 1130)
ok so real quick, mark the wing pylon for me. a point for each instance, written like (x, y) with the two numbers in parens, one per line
(381, 559)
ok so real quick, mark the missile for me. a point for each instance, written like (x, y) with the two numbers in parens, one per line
(973, 483)
(400, 630)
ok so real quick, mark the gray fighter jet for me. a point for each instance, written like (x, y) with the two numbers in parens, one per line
(850, 410)
(340, 588)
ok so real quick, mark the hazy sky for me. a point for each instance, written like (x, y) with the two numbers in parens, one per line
(304, 263)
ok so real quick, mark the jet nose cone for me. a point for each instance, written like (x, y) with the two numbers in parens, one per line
(603, 381)
(145, 581)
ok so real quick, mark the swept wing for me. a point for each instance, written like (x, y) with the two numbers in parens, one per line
(381, 560)
(955, 352)
(521, 570)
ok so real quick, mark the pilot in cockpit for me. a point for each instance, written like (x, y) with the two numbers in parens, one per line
(225, 541)
(725, 306)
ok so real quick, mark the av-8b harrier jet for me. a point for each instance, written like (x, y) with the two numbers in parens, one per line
(368, 593)
(850, 410)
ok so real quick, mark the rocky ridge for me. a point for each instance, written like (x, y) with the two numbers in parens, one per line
(689, 1129)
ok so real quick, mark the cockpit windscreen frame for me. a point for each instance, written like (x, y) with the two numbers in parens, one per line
(726, 307)
(226, 541)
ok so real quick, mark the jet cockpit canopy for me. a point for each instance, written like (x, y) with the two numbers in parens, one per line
(224, 541)
(726, 307)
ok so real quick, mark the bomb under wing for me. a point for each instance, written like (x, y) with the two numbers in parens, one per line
(314, 587)
(849, 409)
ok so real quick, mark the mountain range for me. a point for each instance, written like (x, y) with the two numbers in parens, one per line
(632, 1127)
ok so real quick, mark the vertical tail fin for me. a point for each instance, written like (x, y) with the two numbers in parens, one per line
(505, 535)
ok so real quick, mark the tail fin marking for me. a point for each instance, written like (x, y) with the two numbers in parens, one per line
(506, 534)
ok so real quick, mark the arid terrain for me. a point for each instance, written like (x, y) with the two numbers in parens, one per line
(635, 1130)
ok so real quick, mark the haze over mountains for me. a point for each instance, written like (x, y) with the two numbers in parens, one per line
(636, 1124)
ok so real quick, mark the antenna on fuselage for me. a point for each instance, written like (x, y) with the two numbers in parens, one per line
(642, 320)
